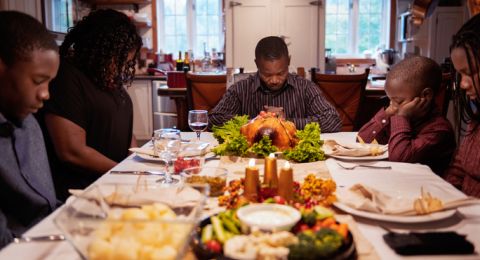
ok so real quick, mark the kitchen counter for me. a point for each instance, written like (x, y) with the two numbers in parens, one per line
(149, 77)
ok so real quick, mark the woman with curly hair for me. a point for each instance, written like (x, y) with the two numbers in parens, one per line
(464, 171)
(89, 117)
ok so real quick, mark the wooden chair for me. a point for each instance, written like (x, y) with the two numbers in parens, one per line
(204, 91)
(442, 99)
(346, 93)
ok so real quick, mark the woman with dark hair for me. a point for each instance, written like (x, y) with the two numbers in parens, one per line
(464, 171)
(89, 117)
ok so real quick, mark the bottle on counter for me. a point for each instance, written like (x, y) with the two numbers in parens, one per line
(186, 62)
(179, 62)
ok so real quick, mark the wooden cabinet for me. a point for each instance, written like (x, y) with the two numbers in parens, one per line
(141, 94)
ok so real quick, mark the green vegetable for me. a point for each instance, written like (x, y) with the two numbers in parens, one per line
(322, 212)
(263, 148)
(220, 233)
(309, 148)
(321, 244)
(309, 217)
(229, 224)
(207, 233)
(231, 141)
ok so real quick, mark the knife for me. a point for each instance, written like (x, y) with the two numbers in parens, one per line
(57, 237)
(138, 172)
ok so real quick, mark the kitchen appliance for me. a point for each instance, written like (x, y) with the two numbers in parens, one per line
(389, 57)
(164, 108)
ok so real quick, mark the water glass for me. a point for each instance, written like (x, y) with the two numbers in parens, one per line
(167, 145)
(198, 121)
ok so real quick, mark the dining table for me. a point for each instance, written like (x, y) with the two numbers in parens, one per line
(400, 180)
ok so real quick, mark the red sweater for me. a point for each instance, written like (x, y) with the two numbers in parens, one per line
(430, 141)
(464, 171)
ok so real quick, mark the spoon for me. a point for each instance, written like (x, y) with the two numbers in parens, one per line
(47, 238)
(351, 166)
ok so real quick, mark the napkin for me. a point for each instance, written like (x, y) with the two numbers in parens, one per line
(187, 149)
(362, 197)
(174, 197)
(331, 147)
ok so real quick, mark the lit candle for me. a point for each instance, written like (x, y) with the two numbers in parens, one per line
(271, 179)
(285, 182)
(252, 182)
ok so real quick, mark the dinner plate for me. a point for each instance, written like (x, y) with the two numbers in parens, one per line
(189, 149)
(383, 156)
(394, 218)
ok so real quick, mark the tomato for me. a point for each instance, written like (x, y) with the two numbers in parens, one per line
(214, 246)
(182, 163)
(303, 227)
(279, 200)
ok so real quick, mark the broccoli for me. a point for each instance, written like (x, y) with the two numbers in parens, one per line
(309, 217)
(321, 244)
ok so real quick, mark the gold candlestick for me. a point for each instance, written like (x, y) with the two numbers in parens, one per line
(285, 182)
(270, 177)
(252, 182)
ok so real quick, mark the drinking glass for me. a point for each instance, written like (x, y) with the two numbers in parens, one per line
(198, 121)
(167, 145)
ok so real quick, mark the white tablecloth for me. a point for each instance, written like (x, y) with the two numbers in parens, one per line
(402, 180)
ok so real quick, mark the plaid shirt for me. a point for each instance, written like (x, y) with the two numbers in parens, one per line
(301, 99)
(430, 142)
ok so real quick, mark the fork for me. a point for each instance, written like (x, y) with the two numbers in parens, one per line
(352, 166)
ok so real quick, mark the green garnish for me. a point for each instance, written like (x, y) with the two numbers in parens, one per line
(309, 147)
(231, 141)
(263, 148)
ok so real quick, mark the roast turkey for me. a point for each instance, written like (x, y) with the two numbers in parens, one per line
(280, 131)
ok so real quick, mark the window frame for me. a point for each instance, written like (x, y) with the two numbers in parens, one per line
(353, 34)
(191, 34)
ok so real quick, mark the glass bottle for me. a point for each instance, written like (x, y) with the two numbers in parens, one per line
(186, 62)
(179, 62)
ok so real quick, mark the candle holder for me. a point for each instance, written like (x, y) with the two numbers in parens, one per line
(252, 182)
(270, 178)
(285, 182)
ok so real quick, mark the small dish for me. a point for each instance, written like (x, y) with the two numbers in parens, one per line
(268, 217)
(215, 177)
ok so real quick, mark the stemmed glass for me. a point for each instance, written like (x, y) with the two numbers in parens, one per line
(198, 121)
(167, 145)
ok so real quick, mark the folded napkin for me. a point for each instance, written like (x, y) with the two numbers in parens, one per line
(177, 196)
(365, 198)
(188, 149)
(331, 147)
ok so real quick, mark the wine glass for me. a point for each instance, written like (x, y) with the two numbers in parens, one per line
(198, 121)
(167, 145)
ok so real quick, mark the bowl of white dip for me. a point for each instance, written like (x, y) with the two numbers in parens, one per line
(268, 217)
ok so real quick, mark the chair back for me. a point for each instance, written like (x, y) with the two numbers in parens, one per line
(346, 93)
(442, 98)
(204, 91)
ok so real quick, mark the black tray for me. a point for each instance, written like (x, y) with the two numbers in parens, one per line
(346, 251)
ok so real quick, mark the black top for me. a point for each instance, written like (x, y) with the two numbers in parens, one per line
(105, 115)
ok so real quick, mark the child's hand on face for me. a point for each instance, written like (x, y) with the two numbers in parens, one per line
(415, 108)
(391, 110)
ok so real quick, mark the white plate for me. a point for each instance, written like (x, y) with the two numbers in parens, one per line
(383, 156)
(397, 219)
(147, 157)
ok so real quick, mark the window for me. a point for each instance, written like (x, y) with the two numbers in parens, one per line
(195, 25)
(355, 27)
(58, 15)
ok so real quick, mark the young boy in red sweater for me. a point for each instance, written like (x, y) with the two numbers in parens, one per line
(411, 125)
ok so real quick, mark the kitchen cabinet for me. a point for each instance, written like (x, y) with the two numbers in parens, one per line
(31, 7)
(299, 22)
(141, 94)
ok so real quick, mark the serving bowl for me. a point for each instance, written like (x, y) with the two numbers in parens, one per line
(100, 227)
(268, 217)
(215, 177)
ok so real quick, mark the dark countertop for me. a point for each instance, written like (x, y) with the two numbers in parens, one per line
(149, 77)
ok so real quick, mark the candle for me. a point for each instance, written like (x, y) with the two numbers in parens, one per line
(252, 182)
(285, 182)
(271, 179)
